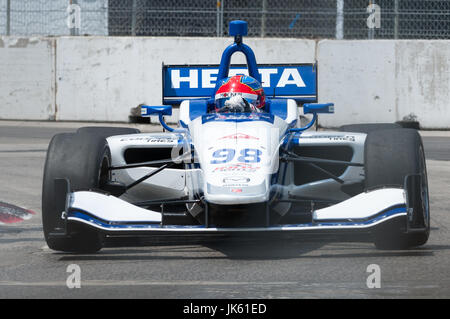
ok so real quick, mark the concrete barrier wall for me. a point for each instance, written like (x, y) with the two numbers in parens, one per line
(423, 82)
(359, 77)
(27, 78)
(104, 78)
(385, 81)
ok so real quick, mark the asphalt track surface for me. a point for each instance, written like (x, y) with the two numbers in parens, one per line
(323, 268)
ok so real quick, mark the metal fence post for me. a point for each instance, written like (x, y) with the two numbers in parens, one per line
(340, 19)
(8, 17)
(133, 19)
(218, 18)
(222, 5)
(74, 30)
(263, 18)
(396, 19)
(371, 31)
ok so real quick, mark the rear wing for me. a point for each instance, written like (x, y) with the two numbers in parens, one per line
(294, 81)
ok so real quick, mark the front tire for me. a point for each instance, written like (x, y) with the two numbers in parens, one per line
(83, 158)
(391, 155)
(79, 159)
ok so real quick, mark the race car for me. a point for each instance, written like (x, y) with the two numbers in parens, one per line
(244, 171)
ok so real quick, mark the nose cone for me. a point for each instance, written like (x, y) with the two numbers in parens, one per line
(237, 160)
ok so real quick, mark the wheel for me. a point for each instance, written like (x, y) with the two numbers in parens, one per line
(391, 155)
(83, 158)
(367, 128)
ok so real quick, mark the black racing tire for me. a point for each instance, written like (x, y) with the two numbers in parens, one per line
(108, 131)
(390, 155)
(367, 128)
(82, 158)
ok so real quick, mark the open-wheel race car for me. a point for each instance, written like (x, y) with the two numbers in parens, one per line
(236, 167)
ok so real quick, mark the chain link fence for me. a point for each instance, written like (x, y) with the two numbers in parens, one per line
(347, 19)
(50, 17)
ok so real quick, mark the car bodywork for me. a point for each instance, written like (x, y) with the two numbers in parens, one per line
(237, 173)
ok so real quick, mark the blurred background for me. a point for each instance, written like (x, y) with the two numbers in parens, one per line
(98, 60)
(316, 19)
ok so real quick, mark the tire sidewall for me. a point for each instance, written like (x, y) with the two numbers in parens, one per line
(77, 157)
(391, 155)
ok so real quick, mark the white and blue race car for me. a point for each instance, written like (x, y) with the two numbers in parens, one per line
(236, 173)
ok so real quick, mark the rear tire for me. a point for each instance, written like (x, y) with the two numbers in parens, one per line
(391, 155)
(82, 158)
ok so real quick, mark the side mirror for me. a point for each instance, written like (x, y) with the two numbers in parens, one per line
(160, 111)
(156, 110)
(315, 108)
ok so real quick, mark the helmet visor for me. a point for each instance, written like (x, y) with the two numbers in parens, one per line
(222, 98)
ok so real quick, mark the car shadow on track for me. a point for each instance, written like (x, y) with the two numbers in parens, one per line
(314, 250)
(189, 249)
(251, 250)
(206, 251)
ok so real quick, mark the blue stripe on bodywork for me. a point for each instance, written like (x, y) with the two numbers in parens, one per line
(156, 225)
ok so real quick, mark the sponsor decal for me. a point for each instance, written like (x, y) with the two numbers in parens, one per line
(237, 117)
(163, 140)
(350, 138)
(231, 94)
(205, 77)
(236, 179)
(237, 168)
(298, 81)
(235, 185)
(271, 77)
(239, 136)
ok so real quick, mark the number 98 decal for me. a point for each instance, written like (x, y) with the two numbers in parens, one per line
(247, 155)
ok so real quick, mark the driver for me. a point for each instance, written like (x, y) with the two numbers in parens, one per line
(239, 94)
